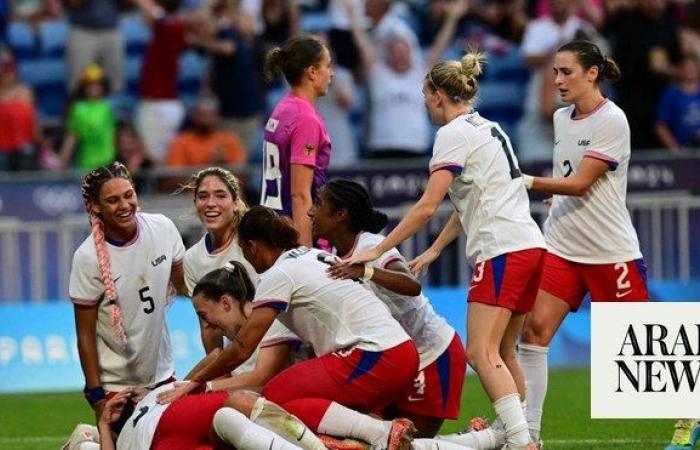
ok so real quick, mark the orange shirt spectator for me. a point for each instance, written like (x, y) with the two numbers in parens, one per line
(204, 144)
(192, 149)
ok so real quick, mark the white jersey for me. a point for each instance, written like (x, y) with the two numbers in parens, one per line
(595, 228)
(487, 191)
(199, 261)
(329, 314)
(141, 272)
(139, 430)
(429, 331)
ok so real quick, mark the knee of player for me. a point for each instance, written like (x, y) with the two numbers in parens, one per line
(536, 332)
(242, 401)
(483, 355)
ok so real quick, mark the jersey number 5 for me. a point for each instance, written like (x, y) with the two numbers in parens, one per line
(145, 298)
(505, 144)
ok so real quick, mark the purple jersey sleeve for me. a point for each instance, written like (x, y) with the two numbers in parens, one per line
(305, 142)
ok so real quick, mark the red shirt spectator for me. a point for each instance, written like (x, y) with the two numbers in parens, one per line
(161, 59)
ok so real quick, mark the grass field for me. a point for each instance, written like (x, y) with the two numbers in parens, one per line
(43, 421)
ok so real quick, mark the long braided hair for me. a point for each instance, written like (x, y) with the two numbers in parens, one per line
(90, 189)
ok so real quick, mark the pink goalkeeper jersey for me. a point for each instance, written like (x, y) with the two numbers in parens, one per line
(294, 134)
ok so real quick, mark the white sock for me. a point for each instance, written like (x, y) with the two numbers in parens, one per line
(487, 439)
(236, 429)
(88, 446)
(511, 413)
(345, 422)
(271, 416)
(533, 360)
(437, 444)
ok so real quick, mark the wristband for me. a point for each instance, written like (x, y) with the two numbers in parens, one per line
(368, 273)
(528, 180)
(94, 395)
(209, 386)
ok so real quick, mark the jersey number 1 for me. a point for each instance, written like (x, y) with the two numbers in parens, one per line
(514, 171)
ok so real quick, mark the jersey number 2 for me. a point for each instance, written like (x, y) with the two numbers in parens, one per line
(514, 171)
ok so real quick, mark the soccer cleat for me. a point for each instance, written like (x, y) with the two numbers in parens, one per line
(478, 423)
(398, 437)
(82, 433)
(685, 436)
(342, 444)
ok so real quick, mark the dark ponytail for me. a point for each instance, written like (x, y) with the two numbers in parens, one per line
(232, 279)
(353, 197)
(265, 225)
(293, 58)
(589, 55)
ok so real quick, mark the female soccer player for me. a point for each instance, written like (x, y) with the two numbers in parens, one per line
(474, 161)
(366, 360)
(592, 246)
(217, 199)
(297, 147)
(343, 215)
(120, 287)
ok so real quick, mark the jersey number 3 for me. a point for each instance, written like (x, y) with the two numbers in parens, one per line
(505, 144)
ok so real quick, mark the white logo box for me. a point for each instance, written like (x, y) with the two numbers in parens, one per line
(631, 379)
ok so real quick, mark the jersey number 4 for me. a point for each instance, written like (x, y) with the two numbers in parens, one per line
(508, 150)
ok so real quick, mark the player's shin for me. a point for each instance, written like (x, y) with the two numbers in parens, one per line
(271, 416)
(236, 429)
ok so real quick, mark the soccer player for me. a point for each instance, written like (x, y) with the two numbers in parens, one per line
(343, 215)
(219, 206)
(685, 435)
(120, 285)
(297, 148)
(202, 421)
(474, 161)
(365, 359)
(592, 245)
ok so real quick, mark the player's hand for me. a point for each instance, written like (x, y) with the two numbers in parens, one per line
(340, 271)
(112, 409)
(363, 258)
(180, 389)
(419, 265)
(138, 394)
(99, 407)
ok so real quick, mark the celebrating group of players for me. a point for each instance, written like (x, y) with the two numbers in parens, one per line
(323, 344)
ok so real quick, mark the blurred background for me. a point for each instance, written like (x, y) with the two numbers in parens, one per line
(172, 86)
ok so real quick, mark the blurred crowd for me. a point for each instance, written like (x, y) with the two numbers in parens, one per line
(381, 49)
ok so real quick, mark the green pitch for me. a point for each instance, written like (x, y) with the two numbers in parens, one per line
(43, 421)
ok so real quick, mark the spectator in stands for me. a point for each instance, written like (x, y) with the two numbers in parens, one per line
(205, 144)
(387, 25)
(340, 34)
(94, 38)
(91, 123)
(280, 22)
(35, 11)
(131, 150)
(4, 16)
(589, 10)
(646, 46)
(233, 77)
(335, 108)
(20, 130)
(535, 134)
(398, 124)
(160, 112)
(678, 116)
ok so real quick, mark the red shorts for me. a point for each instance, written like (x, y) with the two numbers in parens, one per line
(359, 379)
(187, 423)
(617, 282)
(510, 280)
(437, 390)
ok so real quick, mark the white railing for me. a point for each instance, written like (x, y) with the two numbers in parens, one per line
(36, 256)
